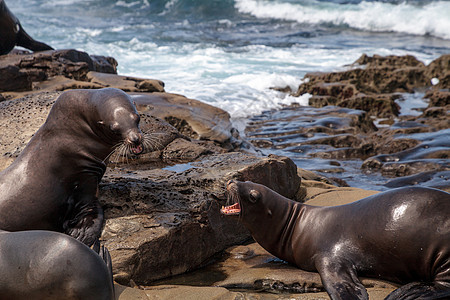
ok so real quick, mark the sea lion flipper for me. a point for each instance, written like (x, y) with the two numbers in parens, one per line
(104, 254)
(86, 218)
(339, 281)
(87, 225)
(26, 41)
(422, 290)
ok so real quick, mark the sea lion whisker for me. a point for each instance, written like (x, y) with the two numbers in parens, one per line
(125, 149)
(152, 143)
(151, 132)
(114, 149)
(153, 136)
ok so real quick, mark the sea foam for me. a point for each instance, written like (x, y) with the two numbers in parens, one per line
(429, 19)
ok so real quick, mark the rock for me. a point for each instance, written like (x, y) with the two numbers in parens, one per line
(19, 120)
(191, 117)
(125, 83)
(169, 292)
(161, 223)
(392, 61)
(377, 105)
(440, 69)
(60, 70)
(316, 132)
(13, 79)
(384, 140)
(430, 154)
(181, 150)
(438, 98)
(371, 81)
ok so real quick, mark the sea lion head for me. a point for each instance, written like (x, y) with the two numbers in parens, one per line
(249, 200)
(118, 120)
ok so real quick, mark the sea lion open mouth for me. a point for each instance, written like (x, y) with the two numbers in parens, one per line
(233, 210)
(233, 197)
(137, 149)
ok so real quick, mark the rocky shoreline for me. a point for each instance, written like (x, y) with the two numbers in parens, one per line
(355, 115)
(162, 208)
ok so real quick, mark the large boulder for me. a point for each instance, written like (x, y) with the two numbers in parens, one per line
(164, 222)
(191, 117)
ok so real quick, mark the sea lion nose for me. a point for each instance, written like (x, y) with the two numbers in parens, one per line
(230, 182)
(135, 138)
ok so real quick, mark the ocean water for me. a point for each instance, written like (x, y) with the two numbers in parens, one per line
(230, 52)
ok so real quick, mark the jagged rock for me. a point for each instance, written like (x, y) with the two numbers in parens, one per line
(161, 222)
(391, 61)
(370, 83)
(440, 69)
(438, 97)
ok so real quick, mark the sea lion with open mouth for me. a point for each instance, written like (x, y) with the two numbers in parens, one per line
(402, 235)
(53, 184)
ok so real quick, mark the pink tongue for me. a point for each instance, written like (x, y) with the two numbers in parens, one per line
(137, 150)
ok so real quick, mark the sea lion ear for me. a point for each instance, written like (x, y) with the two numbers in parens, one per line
(254, 196)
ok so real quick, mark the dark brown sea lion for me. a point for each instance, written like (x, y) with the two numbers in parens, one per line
(12, 33)
(53, 183)
(50, 265)
(402, 235)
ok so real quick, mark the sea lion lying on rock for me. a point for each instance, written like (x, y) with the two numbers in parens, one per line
(53, 183)
(402, 235)
(52, 266)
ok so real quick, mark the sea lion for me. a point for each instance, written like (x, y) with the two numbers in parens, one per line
(53, 183)
(12, 33)
(402, 235)
(50, 265)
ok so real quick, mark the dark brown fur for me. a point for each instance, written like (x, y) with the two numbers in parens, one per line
(402, 235)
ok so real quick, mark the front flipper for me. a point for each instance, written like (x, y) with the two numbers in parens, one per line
(26, 41)
(85, 219)
(421, 290)
(340, 280)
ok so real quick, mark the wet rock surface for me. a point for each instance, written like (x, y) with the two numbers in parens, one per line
(364, 122)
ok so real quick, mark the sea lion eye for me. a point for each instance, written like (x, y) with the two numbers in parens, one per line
(254, 196)
(115, 127)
